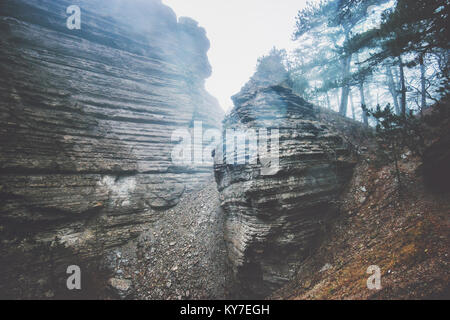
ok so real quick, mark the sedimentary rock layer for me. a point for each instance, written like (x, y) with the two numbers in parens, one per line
(274, 221)
(86, 118)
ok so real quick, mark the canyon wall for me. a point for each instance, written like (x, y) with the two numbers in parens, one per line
(274, 220)
(86, 118)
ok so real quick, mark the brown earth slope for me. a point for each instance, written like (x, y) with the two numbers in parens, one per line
(406, 235)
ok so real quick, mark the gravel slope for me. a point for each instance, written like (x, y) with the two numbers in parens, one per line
(182, 257)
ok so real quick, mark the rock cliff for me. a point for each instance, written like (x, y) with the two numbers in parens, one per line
(274, 221)
(86, 118)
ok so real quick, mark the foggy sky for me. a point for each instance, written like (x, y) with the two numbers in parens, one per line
(240, 31)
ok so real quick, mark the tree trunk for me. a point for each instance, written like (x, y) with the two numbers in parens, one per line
(365, 117)
(393, 89)
(363, 103)
(328, 101)
(403, 84)
(337, 97)
(346, 88)
(352, 105)
(423, 83)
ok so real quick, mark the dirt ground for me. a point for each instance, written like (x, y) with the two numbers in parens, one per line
(406, 235)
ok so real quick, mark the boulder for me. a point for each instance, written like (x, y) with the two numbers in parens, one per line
(274, 220)
(122, 288)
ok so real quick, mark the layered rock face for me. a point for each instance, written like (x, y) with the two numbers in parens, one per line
(274, 220)
(86, 121)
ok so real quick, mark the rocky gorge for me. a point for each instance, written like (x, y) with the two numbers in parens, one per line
(87, 176)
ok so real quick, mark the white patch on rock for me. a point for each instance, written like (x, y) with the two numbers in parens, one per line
(119, 188)
(326, 267)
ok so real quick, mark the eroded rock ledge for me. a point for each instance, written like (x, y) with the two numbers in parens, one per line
(274, 222)
(86, 118)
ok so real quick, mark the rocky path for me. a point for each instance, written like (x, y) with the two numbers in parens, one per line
(182, 256)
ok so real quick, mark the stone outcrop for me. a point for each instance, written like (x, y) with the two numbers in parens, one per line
(273, 222)
(86, 118)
